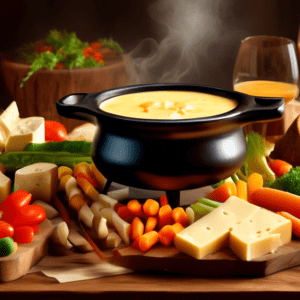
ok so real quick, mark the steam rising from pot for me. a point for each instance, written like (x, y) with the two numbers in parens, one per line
(198, 39)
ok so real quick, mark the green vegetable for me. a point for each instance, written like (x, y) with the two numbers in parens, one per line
(78, 147)
(256, 161)
(7, 246)
(197, 210)
(209, 202)
(64, 48)
(112, 45)
(15, 160)
(289, 182)
(216, 185)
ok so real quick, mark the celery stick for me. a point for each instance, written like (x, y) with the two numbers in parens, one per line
(200, 210)
(15, 160)
(234, 178)
(209, 202)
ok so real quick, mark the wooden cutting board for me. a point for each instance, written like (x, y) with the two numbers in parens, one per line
(221, 263)
(16, 265)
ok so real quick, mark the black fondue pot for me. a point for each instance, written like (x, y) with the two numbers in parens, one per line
(169, 155)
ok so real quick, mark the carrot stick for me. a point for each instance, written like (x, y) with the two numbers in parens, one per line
(280, 167)
(135, 244)
(165, 216)
(277, 200)
(180, 216)
(137, 228)
(151, 224)
(223, 192)
(167, 233)
(125, 213)
(98, 178)
(241, 190)
(163, 200)
(295, 222)
(255, 181)
(135, 207)
(151, 207)
(62, 210)
(147, 240)
(76, 201)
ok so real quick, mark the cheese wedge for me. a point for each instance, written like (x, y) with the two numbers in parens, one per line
(28, 130)
(5, 186)
(40, 179)
(9, 119)
(236, 223)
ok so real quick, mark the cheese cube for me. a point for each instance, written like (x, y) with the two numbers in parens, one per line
(40, 179)
(9, 119)
(28, 130)
(5, 186)
(250, 231)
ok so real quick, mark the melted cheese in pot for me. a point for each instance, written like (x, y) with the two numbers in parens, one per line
(168, 105)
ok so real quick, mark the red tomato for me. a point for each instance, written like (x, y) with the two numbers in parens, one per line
(23, 234)
(55, 131)
(6, 230)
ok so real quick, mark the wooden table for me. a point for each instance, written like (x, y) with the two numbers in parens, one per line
(157, 286)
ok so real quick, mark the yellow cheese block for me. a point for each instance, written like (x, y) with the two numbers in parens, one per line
(5, 186)
(236, 224)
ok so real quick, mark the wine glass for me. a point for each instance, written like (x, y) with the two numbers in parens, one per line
(267, 66)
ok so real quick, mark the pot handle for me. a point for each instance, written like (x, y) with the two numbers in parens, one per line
(80, 106)
(263, 109)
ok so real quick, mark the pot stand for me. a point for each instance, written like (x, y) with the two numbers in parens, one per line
(173, 196)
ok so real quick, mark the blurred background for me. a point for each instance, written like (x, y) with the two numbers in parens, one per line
(191, 41)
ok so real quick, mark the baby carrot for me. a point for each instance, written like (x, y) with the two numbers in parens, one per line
(180, 216)
(135, 207)
(280, 167)
(151, 207)
(223, 192)
(255, 181)
(295, 222)
(147, 240)
(165, 216)
(241, 190)
(137, 228)
(151, 224)
(167, 233)
(124, 212)
(135, 243)
(277, 200)
(163, 200)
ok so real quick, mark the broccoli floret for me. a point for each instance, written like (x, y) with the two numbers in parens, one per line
(289, 182)
(256, 161)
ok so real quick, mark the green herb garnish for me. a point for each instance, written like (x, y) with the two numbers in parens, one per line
(63, 50)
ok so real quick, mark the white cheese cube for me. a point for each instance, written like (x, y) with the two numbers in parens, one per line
(5, 186)
(9, 119)
(40, 179)
(28, 130)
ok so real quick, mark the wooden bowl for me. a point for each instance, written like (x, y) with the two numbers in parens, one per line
(40, 93)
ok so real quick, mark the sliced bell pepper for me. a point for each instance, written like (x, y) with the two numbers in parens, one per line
(15, 210)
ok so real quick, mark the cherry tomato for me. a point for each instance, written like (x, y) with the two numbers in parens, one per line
(55, 131)
(6, 230)
(23, 234)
